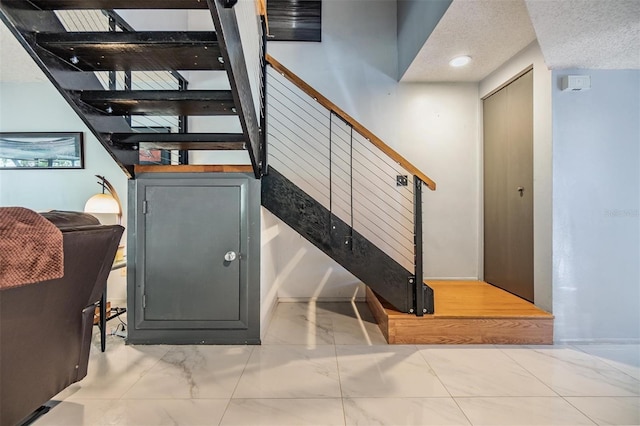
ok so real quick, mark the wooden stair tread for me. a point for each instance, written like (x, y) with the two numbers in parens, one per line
(162, 102)
(119, 4)
(466, 312)
(463, 299)
(135, 51)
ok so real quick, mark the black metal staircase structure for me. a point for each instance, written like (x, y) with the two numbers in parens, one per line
(71, 60)
(359, 205)
(338, 239)
(346, 191)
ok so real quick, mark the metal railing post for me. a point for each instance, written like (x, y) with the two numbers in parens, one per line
(417, 226)
(128, 86)
(183, 125)
(112, 74)
(264, 165)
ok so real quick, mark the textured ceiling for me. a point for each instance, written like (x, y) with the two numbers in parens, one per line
(490, 31)
(600, 34)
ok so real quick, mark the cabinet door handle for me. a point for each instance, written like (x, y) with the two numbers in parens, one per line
(230, 256)
(521, 190)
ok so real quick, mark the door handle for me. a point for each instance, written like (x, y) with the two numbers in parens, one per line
(230, 256)
(521, 190)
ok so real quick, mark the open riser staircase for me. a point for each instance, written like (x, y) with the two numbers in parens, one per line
(126, 85)
(328, 177)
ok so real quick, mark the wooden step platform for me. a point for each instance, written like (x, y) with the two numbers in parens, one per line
(466, 312)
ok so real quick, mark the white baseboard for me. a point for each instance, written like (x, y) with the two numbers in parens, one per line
(120, 303)
(320, 299)
(616, 341)
(268, 314)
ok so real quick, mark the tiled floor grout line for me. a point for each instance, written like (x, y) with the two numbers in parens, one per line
(443, 384)
(577, 348)
(344, 412)
(579, 410)
(549, 364)
(244, 368)
(527, 370)
(145, 372)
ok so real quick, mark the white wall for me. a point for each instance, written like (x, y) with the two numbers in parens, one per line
(596, 205)
(433, 125)
(29, 103)
(268, 269)
(438, 132)
(542, 173)
(300, 271)
(38, 107)
(355, 66)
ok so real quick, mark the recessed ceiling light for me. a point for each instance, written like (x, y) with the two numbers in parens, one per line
(460, 61)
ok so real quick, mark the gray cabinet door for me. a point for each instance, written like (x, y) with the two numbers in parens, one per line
(188, 228)
(508, 187)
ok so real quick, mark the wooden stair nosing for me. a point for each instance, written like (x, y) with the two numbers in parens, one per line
(193, 168)
(162, 102)
(119, 4)
(135, 51)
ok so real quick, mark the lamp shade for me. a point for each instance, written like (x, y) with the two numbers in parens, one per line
(102, 203)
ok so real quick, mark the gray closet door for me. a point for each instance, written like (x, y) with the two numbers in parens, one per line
(508, 188)
(188, 231)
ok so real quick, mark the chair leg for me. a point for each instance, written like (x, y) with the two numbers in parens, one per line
(103, 321)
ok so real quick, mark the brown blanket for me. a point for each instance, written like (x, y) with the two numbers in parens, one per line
(30, 248)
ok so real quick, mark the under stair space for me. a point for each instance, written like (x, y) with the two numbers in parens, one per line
(466, 312)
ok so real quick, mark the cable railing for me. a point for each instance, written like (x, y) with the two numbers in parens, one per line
(109, 21)
(348, 170)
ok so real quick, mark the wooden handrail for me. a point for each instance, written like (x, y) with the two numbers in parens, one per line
(261, 7)
(289, 75)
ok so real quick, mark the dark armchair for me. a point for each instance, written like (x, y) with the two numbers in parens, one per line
(46, 326)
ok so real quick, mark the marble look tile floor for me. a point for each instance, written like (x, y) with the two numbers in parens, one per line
(328, 364)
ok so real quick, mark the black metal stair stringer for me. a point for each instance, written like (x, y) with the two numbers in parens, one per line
(230, 44)
(315, 223)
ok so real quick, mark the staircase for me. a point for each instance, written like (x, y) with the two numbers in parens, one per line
(329, 178)
(126, 85)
